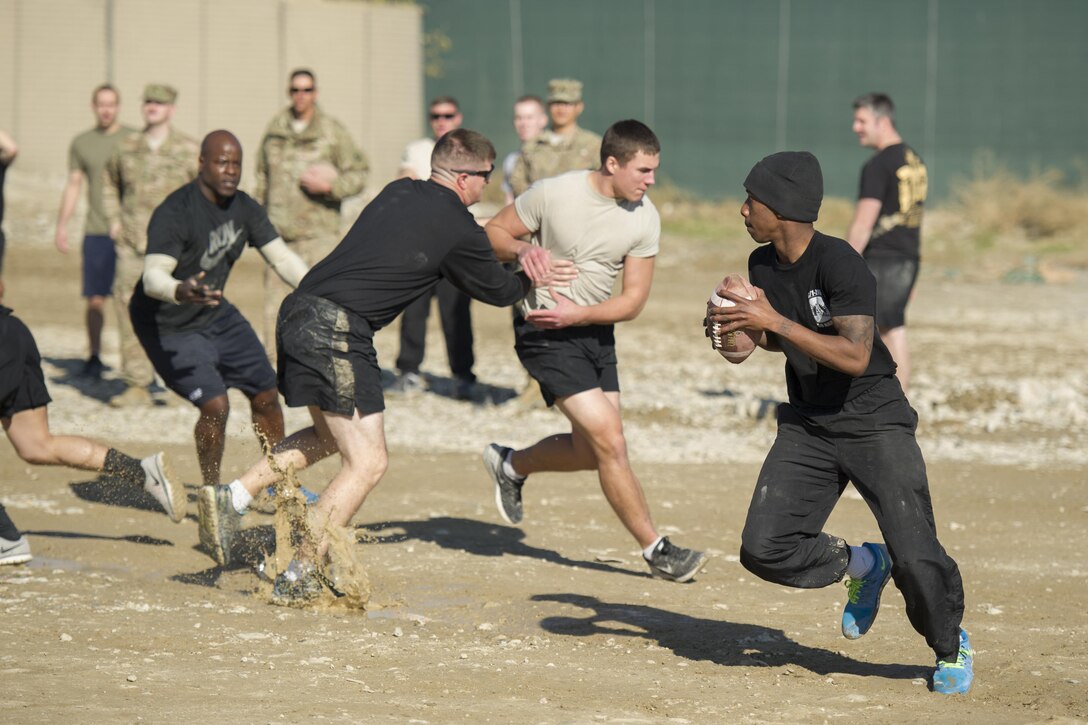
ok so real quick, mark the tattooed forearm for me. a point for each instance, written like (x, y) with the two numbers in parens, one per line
(856, 328)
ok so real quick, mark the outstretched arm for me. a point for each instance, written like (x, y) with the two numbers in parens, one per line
(504, 232)
(159, 282)
(288, 265)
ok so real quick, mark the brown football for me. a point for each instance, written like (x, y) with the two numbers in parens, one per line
(733, 346)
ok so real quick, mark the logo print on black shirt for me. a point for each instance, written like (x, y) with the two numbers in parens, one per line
(820, 313)
(220, 241)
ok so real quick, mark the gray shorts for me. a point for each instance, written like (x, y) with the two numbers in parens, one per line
(326, 357)
(895, 278)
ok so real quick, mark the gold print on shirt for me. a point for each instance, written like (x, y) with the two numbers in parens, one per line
(913, 185)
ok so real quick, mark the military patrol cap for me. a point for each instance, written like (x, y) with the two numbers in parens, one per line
(564, 90)
(160, 93)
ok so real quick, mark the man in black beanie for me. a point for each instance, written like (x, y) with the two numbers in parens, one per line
(847, 420)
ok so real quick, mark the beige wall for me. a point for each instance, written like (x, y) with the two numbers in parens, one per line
(228, 59)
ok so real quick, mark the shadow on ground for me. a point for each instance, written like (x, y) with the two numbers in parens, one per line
(478, 538)
(717, 641)
(70, 374)
(109, 490)
(250, 547)
(132, 538)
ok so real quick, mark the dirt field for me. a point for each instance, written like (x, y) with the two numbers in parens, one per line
(120, 618)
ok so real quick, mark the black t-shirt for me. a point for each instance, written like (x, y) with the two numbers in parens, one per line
(829, 280)
(10, 354)
(202, 236)
(413, 234)
(897, 177)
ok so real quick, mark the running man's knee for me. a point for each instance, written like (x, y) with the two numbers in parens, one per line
(609, 444)
(215, 411)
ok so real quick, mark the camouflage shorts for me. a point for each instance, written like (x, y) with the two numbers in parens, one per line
(326, 357)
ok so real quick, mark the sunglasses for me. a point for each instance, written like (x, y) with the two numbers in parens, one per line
(485, 175)
(302, 90)
(446, 116)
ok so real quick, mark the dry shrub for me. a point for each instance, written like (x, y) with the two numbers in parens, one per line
(998, 222)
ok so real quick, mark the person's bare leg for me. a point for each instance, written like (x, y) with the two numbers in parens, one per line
(364, 459)
(267, 417)
(595, 418)
(211, 437)
(95, 321)
(560, 453)
(28, 431)
(895, 339)
(300, 449)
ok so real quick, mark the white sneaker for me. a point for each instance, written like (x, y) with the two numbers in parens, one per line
(14, 552)
(157, 482)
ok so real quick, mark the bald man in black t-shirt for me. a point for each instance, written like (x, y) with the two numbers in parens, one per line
(198, 342)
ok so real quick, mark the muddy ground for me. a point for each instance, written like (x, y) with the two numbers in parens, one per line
(120, 618)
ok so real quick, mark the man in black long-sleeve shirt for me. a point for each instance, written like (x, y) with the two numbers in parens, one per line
(414, 234)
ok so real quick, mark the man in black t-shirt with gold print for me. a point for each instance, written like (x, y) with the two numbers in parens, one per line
(887, 222)
(198, 342)
(847, 421)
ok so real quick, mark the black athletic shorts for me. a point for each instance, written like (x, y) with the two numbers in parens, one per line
(568, 361)
(326, 357)
(895, 278)
(22, 383)
(202, 364)
(99, 265)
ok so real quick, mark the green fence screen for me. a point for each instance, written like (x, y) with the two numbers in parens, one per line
(725, 82)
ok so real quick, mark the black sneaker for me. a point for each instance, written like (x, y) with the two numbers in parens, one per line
(297, 585)
(408, 383)
(93, 368)
(507, 490)
(675, 563)
(218, 522)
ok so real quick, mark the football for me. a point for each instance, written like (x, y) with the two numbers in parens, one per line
(733, 346)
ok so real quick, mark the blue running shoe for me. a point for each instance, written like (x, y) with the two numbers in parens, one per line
(307, 494)
(864, 594)
(954, 678)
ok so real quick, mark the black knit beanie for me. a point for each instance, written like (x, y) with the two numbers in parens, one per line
(790, 183)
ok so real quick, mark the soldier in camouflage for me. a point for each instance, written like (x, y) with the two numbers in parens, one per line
(563, 147)
(306, 166)
(145, 168)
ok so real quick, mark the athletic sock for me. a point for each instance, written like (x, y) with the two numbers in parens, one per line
(861, 563)
(648, 552)
(124, 467)
(8, 530)
(508, 467)
(239, 496)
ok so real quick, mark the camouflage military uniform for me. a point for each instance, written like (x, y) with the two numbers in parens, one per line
(551, 154)
(310, 224)
(136, 180)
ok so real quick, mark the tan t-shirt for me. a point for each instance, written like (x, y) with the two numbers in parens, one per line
(572, 220)
(89, 153)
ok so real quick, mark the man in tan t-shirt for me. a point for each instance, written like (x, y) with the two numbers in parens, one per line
(87, 157)
(603, 221)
